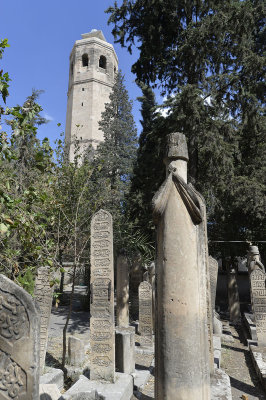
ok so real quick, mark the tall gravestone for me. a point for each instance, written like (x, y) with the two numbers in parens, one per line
(19, 343)
(102, 298)
(258, 297)
(43, 293)
(233, 295)
(145, 314)
(135, 278)
(149, 276)
(182, 349)
(213, 268)
(122, 291)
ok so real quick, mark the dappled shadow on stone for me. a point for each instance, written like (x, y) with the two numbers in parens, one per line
(45, 396)
(145, 397)
(244, 387)
(50, 361)
(233, 348)
(79, 321)
(141, 367)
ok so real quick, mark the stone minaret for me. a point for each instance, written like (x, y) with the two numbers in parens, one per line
(93, 65)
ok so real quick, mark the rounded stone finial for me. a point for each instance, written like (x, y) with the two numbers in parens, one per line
(254, 250)
(176, 146)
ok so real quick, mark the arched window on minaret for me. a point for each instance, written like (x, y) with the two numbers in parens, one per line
(102, 62)
(85, 60)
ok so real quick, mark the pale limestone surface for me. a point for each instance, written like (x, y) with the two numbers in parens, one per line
(76, 351)
(102, 298)
(122, 291)
(125, 349)
(43, 293)
(182, 349)
(19, 343)
(88, 90)
(49, 392)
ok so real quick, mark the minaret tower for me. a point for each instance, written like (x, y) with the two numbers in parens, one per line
(93, 65)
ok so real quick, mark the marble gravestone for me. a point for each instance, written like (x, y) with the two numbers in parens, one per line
(145, 314)
(258, 298)
(43, 293)
(19, 343)
(102, 298)
(182, 348)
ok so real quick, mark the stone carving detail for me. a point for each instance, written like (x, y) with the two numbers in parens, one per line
(102, 297)
(145, 313)
(14, 323)
(182, 283)
(12, 377)
(258, 296)
(43, 294)
(19, 343)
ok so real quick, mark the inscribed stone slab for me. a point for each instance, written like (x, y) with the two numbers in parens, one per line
(258, 294)
(19, 343)
(145, 313)
(102, 298)
(43, 293)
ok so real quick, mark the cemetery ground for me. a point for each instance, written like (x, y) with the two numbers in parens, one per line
(236, 359)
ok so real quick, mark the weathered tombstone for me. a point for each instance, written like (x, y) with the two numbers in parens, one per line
(43, 293)
(233, 295)
(125, 349)
(102, 298)
(213, 268)
(122, 291)
(149, 276)
(76, 351)
(19, 343)
(124, 334)
(258, 296)
(135, 278)
(181, 350)
(145, 314)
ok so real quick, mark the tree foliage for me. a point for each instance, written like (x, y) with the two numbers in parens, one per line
(209, 58)
(114, 160)
(26, 166)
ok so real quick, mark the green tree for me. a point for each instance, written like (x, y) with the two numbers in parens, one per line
(148, 170)
(26, 166)
(209, 58)
(114, 161)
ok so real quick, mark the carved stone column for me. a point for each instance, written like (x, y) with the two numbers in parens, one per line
(182, 348)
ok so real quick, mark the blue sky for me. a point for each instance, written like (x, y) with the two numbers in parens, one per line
(41, 35)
